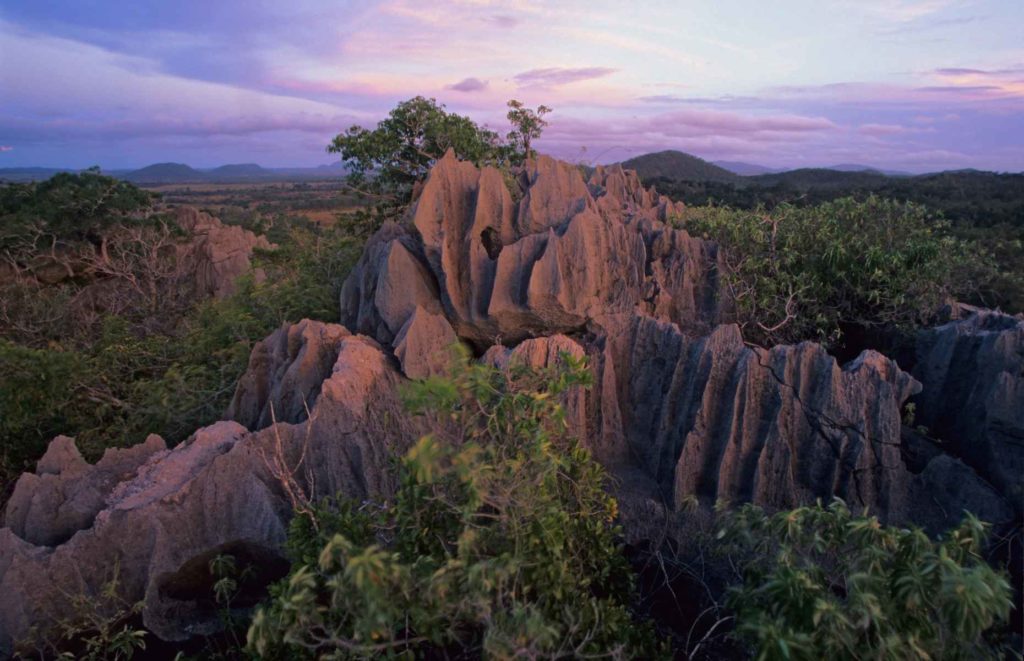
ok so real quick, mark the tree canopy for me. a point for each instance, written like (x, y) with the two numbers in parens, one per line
(386, 162)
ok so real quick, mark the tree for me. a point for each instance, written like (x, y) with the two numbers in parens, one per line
(67, 208)
(527, 125)
(385, 163)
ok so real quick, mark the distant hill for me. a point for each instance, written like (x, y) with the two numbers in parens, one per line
(239, 170)
(166, 173)
(745, 169)
(678, 166)
(820, 179)
(854, 167)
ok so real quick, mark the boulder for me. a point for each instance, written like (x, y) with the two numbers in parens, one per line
(424, 345)
(505, 273)
(65, 493)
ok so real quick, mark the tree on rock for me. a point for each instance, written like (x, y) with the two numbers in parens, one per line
(385, 163)
(527, 125)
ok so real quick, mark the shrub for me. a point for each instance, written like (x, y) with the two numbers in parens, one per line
(812, 273)
(111, 380)
(500, 541)
(821, 583)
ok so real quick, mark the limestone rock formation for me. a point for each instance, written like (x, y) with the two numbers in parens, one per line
(285, 373)
(65, 493)
(215, 254)
(156, 517)
(679, 407)
(973, 398)
(505, 273)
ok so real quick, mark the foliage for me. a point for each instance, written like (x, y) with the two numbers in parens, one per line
(385, 162)
(984, 208)
(113, 380)
(822, 583)
(500, 541)
(100, 630)
(800, 273)
(527, 125)
(67, 207)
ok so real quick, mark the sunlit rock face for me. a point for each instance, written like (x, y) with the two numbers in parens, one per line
(680, 406)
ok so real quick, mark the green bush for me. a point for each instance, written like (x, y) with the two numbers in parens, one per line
(112, 380)
(67, 207)
(500, 541)
(821, 583)
(799, 273)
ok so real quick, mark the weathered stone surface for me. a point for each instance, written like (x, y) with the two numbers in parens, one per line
(65, 493)
(285, 373)
(218, 492)
(424, 345)
(215, 254)
(973, 398)
(560, 258)
(714, 418)
(386, 286)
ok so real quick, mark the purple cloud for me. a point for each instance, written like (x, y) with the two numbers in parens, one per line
(6, 148)
(469, 85)
(503, 21)
(554, 76)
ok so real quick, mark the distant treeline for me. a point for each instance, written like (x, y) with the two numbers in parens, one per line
(965, 198)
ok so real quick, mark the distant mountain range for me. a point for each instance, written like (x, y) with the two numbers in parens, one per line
(680, 166)
(669, 165)
(179, 173)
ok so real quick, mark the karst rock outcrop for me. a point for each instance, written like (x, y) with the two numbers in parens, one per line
(215, 255)
(680, 405)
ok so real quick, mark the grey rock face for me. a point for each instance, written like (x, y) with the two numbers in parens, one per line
(559, 259)
(285, 372)
(168, 512)
(424, 345)
(65, 493)
(973, 398)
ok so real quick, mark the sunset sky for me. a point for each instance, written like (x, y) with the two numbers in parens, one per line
(906, 84)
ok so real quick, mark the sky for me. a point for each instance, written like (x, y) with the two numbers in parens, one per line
(917, 85)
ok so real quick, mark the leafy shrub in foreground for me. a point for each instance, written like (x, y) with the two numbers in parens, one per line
(821, 583)
(500, 541)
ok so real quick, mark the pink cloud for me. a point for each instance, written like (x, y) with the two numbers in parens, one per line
(882, 129)
(6, 148)
(554, 76)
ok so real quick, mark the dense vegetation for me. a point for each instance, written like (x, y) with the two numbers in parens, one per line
(797, 273)
(984, 208)
(87, 357)
(821, 583)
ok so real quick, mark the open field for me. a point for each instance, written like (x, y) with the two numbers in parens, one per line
(319, 202)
